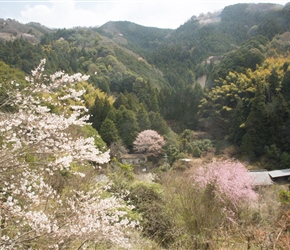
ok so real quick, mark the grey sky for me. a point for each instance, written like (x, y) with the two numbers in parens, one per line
(72, 13)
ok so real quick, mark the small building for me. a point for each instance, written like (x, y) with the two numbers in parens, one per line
(280, 176)
(261, 178)
(264, 177)
(133, 158)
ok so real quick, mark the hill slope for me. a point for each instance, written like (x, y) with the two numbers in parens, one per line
(137, 38)
(12, 29)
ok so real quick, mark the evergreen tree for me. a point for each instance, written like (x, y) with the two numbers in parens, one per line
(121, 100)
(127, 126)
(285, 89)
(274, 84)
(99, 112)
(158, 123)
(256, 136)
(132, 101)
(192, 97)
(143, 118)
(109, 131)
(237, 125)
(278, 115)
(147, 94)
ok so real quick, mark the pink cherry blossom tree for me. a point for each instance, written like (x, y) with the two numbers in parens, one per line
(148, 142)
(230, 181)
(36, 145)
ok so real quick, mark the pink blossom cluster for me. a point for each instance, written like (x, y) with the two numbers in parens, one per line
(36, 145)
(149, 142)
(230, 180)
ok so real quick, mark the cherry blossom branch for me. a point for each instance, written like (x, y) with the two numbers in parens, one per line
(36, 144)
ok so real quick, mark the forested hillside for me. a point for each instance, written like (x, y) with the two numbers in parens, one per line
(140, 39)
(74, 103)
(164, 74)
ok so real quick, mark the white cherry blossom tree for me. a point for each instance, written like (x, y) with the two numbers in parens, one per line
(40, 140)
(148, 142)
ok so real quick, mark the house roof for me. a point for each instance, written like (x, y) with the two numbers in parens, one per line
(279, 173)
(133, 156)
(261, 178)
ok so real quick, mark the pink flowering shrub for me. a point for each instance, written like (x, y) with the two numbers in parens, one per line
(230, 181)
(36, 145)
(148, 142)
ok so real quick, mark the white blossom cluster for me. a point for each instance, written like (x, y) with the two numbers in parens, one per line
(149, 142)
(36, 145)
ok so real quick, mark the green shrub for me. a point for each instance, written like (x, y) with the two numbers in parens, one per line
(149, 202)
(285, 160)
(284, 196)
(197, 147)
(121, 177)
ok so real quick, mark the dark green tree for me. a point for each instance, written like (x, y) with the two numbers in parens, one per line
(109, 131)
(147, 94)
(127, 126)
(143, 118)
(274, 85)
(121, 100)
(237, 123)
(132, 101)
(285, 89)
(256, 136)
(99, 112)
(158, 123)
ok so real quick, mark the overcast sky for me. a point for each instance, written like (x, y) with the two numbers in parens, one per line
(90, 13)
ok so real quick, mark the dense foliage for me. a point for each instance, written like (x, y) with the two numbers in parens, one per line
(252, 109)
